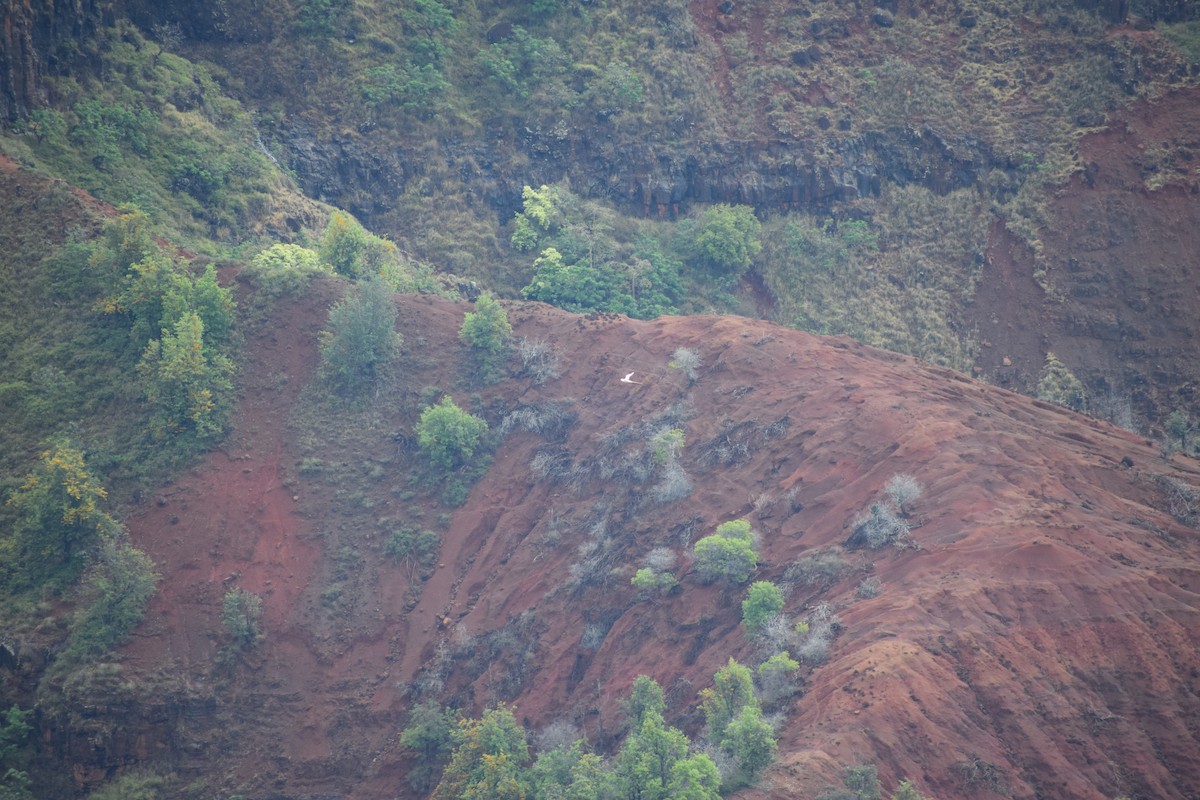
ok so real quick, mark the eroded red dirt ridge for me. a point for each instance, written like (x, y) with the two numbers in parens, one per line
(1040, 642)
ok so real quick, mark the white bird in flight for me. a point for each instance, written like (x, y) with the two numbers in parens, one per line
(628, 378)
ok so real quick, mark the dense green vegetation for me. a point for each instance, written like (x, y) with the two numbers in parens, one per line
(490, 757)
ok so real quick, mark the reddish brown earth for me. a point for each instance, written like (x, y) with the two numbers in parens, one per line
(1041, 642)
(1122, 265)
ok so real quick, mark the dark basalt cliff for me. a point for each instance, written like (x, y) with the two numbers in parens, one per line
(40, 39)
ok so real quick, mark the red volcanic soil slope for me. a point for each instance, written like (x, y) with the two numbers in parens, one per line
(1039, 641)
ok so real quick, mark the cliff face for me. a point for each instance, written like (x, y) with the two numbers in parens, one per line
(40, 39)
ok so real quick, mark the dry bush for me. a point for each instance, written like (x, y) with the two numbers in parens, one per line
(675, 484)
(688, 362)
(902, 488)
(660, 558)
(819, 570)
(539, 360)
(551, 420)
(1182, 501)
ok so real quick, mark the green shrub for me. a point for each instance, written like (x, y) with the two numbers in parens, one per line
(775, 680)
(118, 588)
(763, 601)
(352, 250)
(487, 332)
(133, 786)
(448, 436)
(863, 780)
(750, 741)
(1058, 384)
(415, 547)
(1179, 427)
(732, 691)
(361, 338)
(651, 580)
(187, 383)
(241, 614)
(430, 734)
(727, 239)
(58, 518)
(906, 791)
(284, 269)
(666, 444)
(730, 554)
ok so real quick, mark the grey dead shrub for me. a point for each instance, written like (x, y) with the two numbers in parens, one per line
(878, 527)
(870, 587)
(1182, 501)
(688, 362)
(550, 420)
(819, 570)
(822, 626)
(902, 488)
(660, 558)
(539, 360)
(775, 635)
(558, 734)
(675, 484)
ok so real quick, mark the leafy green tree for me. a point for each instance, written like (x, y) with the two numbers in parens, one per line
(141, 297)
(58, 517)
(763, 601)
(187, 384)
(541, 214)
(727, 239)
(732, 690)
(863, 780)
(1058, 384)
(153, 292)
(241, 614)
(694, 778)
(728, 554)
(14, 733)
(447, 435)
(646, 697)
(118, 588)
(430, 734)
(487, 332)
(434, 23)
(212, 302)
(574, 287)
(352, 250)
(643, 768)
(360, 339)
(489, 756)
(16, 785)
(749, 739)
